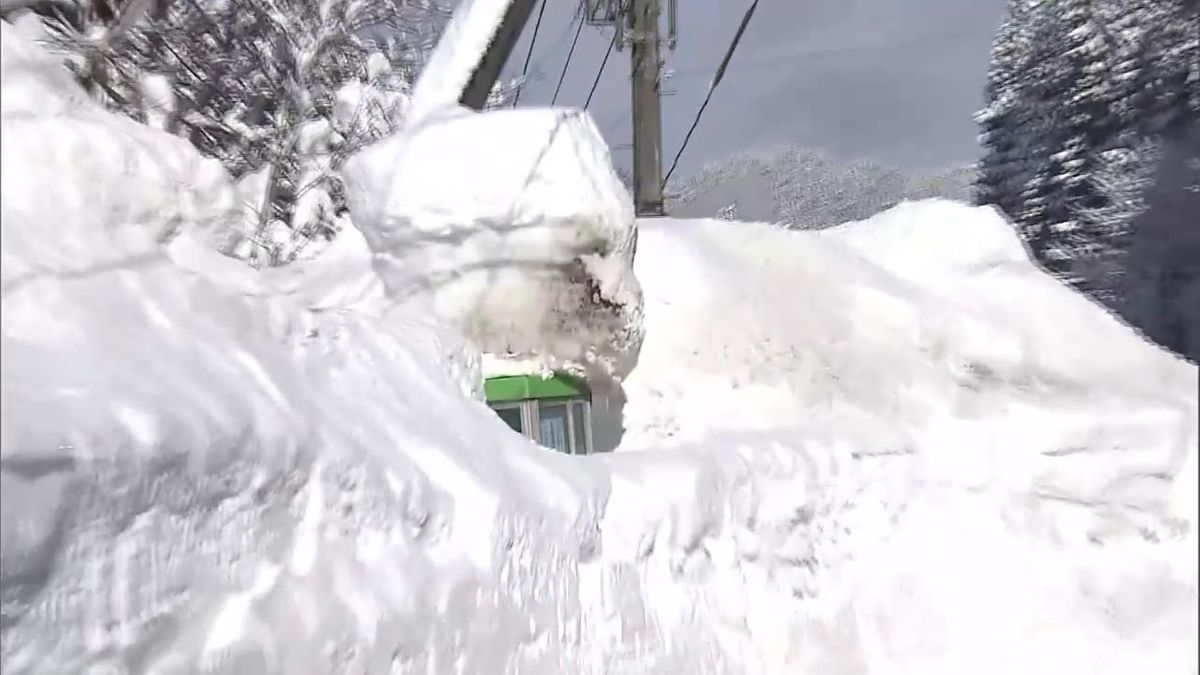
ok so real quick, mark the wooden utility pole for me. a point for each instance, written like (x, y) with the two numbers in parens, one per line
(647, 107)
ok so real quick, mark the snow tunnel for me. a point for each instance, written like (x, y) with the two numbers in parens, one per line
(553, 411)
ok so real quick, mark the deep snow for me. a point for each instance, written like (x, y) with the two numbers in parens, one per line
(892, 447)
(946, 460)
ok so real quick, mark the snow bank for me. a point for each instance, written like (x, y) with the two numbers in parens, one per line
(898, 447)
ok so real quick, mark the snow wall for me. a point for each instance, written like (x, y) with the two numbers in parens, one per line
(892, 448)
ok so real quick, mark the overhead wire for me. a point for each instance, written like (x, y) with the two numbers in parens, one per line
(713, 86)
(538, 66)
(529, 55)
(567, 63)
(599, 73)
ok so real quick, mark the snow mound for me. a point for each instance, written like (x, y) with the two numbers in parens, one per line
(513, 225)
(899, 447)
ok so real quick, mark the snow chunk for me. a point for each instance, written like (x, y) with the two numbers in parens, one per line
(516, 227)
(158, 100)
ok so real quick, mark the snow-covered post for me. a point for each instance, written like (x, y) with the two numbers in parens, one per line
(458, 53)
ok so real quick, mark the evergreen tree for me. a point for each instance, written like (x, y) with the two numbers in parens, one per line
(1081, 97)
(281, 91)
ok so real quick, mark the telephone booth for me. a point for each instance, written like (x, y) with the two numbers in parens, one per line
(554, 412)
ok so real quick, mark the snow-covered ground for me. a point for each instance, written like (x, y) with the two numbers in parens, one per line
(891, 447)
(898, 447)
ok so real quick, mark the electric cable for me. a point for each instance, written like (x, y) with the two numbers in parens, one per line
(529, 55)
(600, 72)
(567, 63)
(712, 86)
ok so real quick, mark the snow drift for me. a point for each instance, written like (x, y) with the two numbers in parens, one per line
(897, 446)
(852, 459)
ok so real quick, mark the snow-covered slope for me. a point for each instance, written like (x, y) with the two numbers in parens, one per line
(853, 459)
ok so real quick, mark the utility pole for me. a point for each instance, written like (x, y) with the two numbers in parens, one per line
(647, 107)
(636, 22)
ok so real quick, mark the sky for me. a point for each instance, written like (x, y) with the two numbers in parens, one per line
(894, 81)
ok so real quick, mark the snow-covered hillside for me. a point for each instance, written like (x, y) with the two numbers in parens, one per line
(892, 447)
(806, 189)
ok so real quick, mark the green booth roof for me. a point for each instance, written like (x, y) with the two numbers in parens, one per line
(508, 388)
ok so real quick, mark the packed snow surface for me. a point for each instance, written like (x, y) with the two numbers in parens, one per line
(893, 447)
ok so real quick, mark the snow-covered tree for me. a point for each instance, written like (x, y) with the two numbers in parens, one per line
(1161, 281)
(281, 91)
(1082, 96)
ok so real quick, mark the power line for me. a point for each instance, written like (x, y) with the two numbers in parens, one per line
(713, 86)
(529, 55)
(567, 63)
(538, 67)
(600, 72)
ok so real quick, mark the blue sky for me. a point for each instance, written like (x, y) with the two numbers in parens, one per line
(894, 81)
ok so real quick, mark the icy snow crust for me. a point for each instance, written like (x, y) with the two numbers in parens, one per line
(893, 448)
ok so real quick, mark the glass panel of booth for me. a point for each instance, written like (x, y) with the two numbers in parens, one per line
(581, 428)
(573, 437)
(511, 414)
(554, 426)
